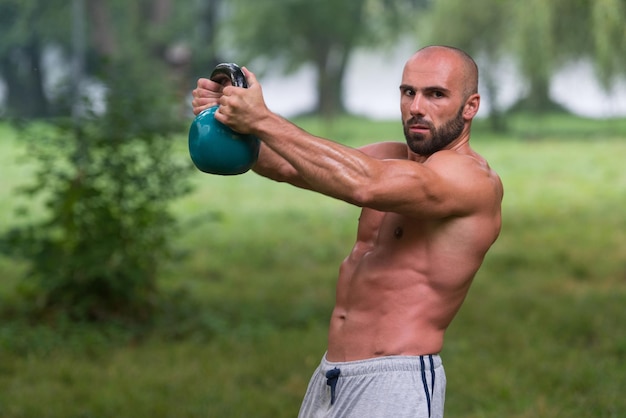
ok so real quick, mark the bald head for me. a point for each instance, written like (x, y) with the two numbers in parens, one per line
(438, 91)
(463, 63)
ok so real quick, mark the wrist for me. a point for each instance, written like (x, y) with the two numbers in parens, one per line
(265, 126)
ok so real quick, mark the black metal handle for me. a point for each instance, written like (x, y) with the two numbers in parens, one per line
(229, 72)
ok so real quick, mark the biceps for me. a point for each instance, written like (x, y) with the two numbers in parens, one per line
(410, 189)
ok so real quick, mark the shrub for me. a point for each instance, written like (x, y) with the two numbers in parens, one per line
(106, 182)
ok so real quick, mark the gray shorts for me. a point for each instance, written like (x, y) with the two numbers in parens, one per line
(393, 386)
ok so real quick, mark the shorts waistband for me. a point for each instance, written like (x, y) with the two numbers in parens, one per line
(383, 364)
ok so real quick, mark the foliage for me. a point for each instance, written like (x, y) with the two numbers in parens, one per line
(482, 44)
(191, 36)
(324, 33)
(609, 38)
(538, 36)
(106, 182)
(21, 20)
(26, 28)
(32, 31)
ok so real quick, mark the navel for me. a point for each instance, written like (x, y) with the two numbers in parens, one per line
(398, 232)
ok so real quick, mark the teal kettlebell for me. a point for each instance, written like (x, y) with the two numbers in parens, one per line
(214, 147)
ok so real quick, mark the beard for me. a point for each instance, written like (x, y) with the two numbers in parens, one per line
(439, 137)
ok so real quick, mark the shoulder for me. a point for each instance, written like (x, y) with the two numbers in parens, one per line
(469, 175)
(460, 163)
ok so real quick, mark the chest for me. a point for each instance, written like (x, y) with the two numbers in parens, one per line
(388, 228)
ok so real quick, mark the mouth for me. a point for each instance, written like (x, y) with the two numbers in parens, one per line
(418, 125)
(418, 128)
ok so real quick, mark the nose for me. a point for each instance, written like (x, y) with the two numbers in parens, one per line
(416, 106)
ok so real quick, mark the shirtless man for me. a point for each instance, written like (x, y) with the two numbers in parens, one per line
(430, 211)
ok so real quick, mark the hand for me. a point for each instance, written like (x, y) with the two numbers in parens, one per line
(206, 94)
(241, 109)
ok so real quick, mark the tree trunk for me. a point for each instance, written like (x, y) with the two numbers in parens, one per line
(497, 119)
(206, 56)
(160, 11)
(538, 99)
(23, 74)
(331, 68)
(102, 33)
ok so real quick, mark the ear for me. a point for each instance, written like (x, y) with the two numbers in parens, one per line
(471, 106)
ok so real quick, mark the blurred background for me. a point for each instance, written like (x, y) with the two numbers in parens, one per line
(555, 53)
(133, 285)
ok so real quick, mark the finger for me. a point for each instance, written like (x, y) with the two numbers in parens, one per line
(205, 83)
(250, 77)
(201, 93)
(207, 88)
(205, 94)
(199, 102)
(197, 109)
(219, 115)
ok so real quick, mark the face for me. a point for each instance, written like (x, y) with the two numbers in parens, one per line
(433, 102)
(437, 138)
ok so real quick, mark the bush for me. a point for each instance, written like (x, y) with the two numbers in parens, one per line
(106, 182)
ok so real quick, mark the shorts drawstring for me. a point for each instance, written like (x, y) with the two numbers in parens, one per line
(331, 380)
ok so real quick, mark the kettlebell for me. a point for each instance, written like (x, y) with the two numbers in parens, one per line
(214, 147)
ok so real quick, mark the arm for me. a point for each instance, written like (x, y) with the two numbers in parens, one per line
(273, 166)
(270, 164)
(447, 184)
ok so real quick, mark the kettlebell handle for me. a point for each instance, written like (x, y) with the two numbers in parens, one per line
(229, 72)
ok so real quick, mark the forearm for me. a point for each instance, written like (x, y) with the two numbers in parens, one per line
(274, 167)
(325, 166)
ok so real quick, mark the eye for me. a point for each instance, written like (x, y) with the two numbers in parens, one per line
(408, 92)
(438, 94)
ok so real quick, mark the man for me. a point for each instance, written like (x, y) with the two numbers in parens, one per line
(431, 210)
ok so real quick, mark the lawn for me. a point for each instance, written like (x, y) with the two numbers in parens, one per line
(246, 302)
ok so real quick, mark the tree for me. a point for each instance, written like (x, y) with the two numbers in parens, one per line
(207, 16)
(26, 27)
(539, 36)
(609, 39)
(456, 23)
(287, 34)
(106, 181)
(31, 28)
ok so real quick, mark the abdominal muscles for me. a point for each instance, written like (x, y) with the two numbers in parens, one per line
(386, 308)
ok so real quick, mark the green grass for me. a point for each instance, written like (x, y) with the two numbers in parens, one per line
(246, 301)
